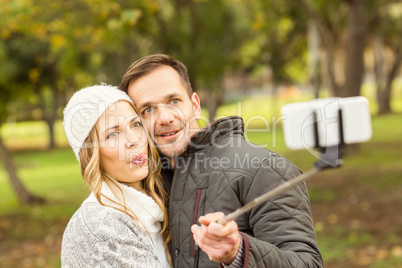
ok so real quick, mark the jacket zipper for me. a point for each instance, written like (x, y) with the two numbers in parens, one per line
(197, 202)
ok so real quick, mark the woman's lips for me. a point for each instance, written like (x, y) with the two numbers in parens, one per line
(139, 160)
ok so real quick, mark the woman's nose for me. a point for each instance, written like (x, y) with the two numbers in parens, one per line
(131, 145)
(132, 139)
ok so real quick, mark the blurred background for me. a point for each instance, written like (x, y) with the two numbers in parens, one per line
(245, 58)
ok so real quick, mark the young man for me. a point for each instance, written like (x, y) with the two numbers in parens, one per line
(215, 170)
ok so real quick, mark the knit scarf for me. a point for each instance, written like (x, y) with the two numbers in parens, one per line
(149, 214)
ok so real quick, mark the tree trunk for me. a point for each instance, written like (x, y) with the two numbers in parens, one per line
(354, 68)
(329, 47)
(24, 196)
(384, 91)
(49, 111)
(50, 124)
(314, 50)
(212, 100)
(379, 71)
(328, 43)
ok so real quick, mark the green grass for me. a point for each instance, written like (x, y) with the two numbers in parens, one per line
(53, 174)
(31, 135)
(334, 248)
(35, 231)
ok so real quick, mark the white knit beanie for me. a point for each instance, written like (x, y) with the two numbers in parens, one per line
(84, 109)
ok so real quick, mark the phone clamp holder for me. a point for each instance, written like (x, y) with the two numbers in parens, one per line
(330, 156)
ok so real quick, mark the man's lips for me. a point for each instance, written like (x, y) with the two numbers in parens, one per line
(168, 134)
(139, 160)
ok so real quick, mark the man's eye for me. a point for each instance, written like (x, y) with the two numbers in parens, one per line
(148, 110)
(175, 101)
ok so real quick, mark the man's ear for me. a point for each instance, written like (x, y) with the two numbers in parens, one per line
(195, 100)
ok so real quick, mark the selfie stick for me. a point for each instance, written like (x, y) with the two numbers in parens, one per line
(329, 158)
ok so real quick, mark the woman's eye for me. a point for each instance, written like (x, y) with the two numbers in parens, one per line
(111, 135)
(136, 124)
(175, 101)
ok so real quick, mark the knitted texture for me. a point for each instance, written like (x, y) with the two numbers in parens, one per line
(102, 236)
(84, 109)
(99, 236)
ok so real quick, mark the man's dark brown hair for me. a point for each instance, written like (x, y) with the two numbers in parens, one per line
(148, 64)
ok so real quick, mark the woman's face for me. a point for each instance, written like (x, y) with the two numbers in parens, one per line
(123, 144)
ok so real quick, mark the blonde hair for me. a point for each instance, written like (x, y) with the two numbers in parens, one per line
(93, 174)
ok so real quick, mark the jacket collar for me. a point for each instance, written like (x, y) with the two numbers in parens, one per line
(213, 132)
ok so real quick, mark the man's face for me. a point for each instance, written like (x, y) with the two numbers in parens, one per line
(171, 115)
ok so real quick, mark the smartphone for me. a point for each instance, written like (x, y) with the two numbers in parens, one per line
(338, 120)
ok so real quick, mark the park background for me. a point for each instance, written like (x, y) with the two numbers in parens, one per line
(245, 58)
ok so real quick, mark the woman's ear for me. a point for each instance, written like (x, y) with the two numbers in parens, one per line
(195, 100)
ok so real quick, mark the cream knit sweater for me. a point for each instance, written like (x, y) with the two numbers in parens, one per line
(101, 236)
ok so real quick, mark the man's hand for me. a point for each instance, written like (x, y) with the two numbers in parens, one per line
(220, 242)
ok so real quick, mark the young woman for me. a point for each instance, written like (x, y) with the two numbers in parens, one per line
(124, 222)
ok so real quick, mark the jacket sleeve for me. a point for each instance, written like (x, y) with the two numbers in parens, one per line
(106, 238)
(282, 229)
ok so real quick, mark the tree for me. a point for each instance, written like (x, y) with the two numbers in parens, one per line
(341, 31)
(30, 44)
(212, 40)
(388, 26)
(204, 35)
(34, 62)
(279, 40)
(60, 43)
(23, 194)
(8, 93)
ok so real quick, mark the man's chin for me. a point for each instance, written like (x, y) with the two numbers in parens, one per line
(171, 151)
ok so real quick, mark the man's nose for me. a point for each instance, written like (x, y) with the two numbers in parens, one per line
(165, 115)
